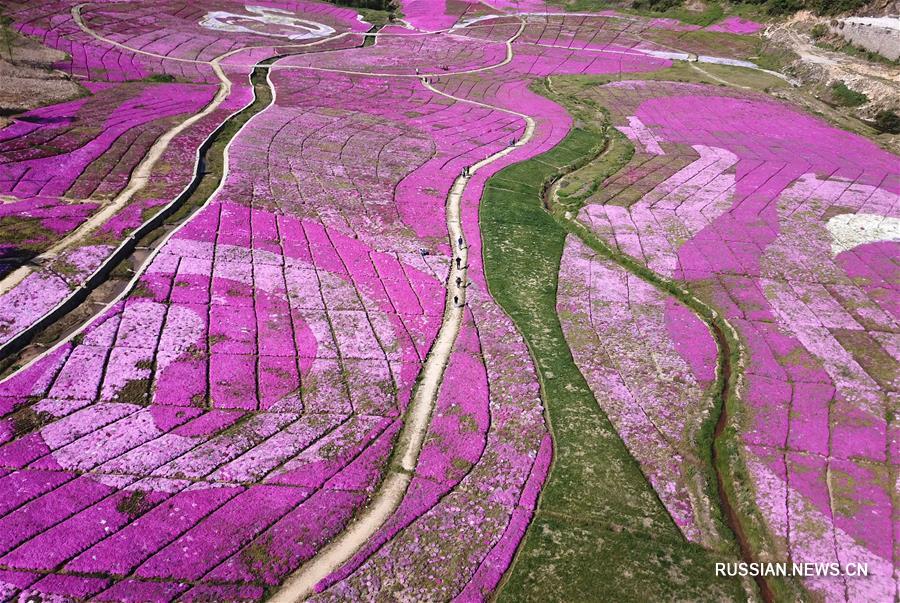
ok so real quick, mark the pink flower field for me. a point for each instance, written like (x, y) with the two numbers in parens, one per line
(230, 424)
(747, 219)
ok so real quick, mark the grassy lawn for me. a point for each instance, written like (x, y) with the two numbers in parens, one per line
(680, 71)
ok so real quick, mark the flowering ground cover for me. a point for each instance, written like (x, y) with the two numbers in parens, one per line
(242, 403)
(269, 349)
(87, 150)
(816, 370)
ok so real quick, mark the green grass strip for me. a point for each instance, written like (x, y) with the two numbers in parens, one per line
(600, 532)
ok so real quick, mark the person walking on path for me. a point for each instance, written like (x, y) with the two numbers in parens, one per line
(458, 261)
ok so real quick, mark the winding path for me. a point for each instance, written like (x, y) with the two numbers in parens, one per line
(399, 474)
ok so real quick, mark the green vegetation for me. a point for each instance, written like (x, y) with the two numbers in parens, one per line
(674, 9)
(819, 7)
(600, 532)
(842, 95)
(7, 35)
(819, 30)
(773, 57)
(378, 18)
(887, 121)
(379, 5)
(160, 78)
(682, 71)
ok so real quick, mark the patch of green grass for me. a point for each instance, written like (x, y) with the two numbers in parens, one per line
(681, 71)
(160, 78)
(583, 5)
(712, 13)
(378, 18)
(600, 532)
(846, 97)
(772, 56)
(745, 10)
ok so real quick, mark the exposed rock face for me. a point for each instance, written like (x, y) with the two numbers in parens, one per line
(877, 34)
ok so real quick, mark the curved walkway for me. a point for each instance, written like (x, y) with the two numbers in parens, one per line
(398, 476)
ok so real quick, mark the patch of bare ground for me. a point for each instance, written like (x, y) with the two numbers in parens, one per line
(27, 77)
(822, 60)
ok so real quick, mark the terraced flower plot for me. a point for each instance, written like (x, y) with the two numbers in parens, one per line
(476, 304)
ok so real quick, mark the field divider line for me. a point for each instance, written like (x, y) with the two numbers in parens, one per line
(389, 495)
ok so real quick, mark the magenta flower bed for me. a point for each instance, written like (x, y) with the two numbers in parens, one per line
(265, 356)
(218, 426)
(89, 151)
(745, 221)
(736, 25)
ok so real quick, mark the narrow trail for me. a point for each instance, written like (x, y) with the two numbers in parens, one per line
(399, 474)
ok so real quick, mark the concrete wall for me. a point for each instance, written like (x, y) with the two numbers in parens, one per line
(876, 35)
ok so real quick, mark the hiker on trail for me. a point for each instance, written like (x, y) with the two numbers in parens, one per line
(458, 260)
(512, 142)
(459, 242)
(458, 281)
(456, 300)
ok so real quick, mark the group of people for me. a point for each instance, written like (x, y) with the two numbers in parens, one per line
(425, 78)
(460, 267)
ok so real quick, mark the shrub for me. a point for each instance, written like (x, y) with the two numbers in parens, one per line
(888, 121)
(657, 5)
(819, 30)
(842, 95)
(160, 78)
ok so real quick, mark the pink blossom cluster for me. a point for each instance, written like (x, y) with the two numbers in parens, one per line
(742, 211)
(216, 427)
(84, 151)
(250, 387)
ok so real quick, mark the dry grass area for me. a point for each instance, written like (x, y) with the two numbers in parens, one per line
(27, 77)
